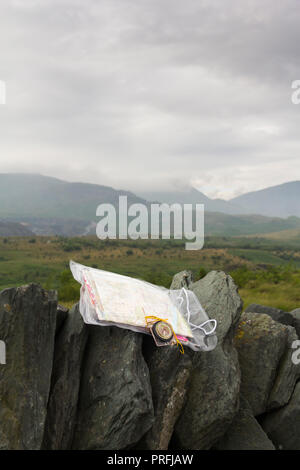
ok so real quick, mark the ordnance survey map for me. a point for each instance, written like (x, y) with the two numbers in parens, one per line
(124, 300)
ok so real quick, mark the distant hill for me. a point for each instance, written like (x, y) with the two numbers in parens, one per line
(13, 229)
(26, 195)
(290, 235)
(276, 201)
(193, 196)
(234, 225)
(281, 201)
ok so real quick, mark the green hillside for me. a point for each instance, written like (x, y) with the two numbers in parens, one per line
(217, 223)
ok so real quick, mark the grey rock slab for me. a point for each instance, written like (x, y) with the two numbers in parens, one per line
(115, 402)
(268, 373)
(27, 325)
(245, 433)
(283, 425)
(65, 382)
(213, 394)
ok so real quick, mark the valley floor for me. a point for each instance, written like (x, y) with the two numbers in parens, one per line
(266, 270)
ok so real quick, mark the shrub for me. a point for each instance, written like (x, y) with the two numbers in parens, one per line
(69, 289)
(71, 246)
(202, 272)
(159, 279)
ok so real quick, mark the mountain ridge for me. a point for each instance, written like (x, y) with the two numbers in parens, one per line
(49, 205)
(279, 200)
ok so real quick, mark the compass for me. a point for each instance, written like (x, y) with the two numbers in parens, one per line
(163, 331)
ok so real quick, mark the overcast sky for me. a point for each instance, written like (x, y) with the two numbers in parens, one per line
(152, 94)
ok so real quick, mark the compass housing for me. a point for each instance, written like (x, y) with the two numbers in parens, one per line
(163, 331)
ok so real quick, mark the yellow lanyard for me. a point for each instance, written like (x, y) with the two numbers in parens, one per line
(148, 321)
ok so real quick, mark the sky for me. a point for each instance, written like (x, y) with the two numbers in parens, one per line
(152, 94)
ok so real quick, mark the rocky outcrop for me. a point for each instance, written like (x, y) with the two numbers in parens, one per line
(283, 426)
(245, 433)
(286, 318)
(215, 375)
(27, 326)
(62, 406)
(268, 373)
(115, 403)
(182, 279)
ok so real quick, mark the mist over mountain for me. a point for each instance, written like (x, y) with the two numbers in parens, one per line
(277, 201)
(193, 196)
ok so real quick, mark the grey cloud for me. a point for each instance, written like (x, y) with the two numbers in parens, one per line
(151, 94)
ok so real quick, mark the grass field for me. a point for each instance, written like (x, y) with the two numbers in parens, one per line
(266, 270)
